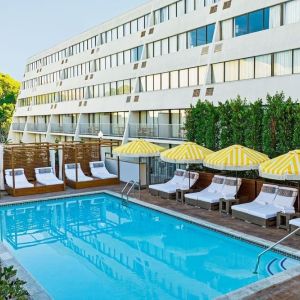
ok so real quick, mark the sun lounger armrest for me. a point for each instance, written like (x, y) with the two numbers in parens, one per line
(286, 210)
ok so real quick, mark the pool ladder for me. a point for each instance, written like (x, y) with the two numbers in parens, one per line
(130, 185)
(270, 248)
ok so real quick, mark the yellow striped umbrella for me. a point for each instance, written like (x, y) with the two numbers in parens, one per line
(186, 153)
(139, 149)
(284, 167)
(235, 158)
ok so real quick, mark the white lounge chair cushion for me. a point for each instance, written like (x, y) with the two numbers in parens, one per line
(20, 179)
(216, 184)
(286, 197)
(99, 170)
(267, 194)
(46, 176)
(258, 210)
(231, 187)
(205, 195)
(70, 171)
(295, 222)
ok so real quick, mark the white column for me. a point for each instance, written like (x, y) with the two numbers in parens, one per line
(60, 162)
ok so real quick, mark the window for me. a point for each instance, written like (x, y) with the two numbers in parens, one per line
(164, 14)
(107, 89)
(256, 21)
(296, 61)
(263, 66)
(165, 46)
(283, 63)
(127, 57)
(114, 34)
(156, 17)
(150, 83)
(247, 68)
(127, 87)
(114, 60)
(120, 87)
(241, 25)
(201, 36)
(182, 41)
(134, 26)
(275, 16)
(157, 49)
(180, 8)
(232, 70)
(192, 39)
(120, 31)
(172, 11)
(193, 76)
(165, 81)
(142, 84)
(174, 80)
(141, 23)
(150, 50)
(291, 12)
(120, 58)
(173, 44)
(210, 33)
(218, 73)
(189, 6)
(113, 88)
(157, 82)
(183, 78)
(126, 29)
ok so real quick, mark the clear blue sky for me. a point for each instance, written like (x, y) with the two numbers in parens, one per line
(30, 26)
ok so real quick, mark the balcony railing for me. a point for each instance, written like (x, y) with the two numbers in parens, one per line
(18, 126)
(67, 128)
(157, 131)
(37, 127)
(106, 128)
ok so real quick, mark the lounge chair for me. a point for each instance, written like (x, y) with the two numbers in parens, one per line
(263, 210)
(70, 172)
(209, 198)
(185, 182)
(21, 181)
(176, 180)
(295, 224)
(46, 176)
(99, 170)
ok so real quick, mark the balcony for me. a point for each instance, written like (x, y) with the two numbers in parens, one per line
(18, 126)
(67, 128)
(37, 127)
(106, 128)
(158, 131)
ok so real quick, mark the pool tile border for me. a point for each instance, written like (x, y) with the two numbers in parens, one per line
(235, 295)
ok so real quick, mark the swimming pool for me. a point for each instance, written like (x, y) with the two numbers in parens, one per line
(93, 247)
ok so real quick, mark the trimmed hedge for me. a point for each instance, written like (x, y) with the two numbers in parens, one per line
(272, 127)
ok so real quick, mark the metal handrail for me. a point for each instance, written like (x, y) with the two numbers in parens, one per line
(123, 190)
(271, 247)
(133, 184)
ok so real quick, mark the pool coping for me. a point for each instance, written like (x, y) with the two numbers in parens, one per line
(237, 294)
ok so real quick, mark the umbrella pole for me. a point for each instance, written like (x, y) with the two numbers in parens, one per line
(236, 181)
(298, 196)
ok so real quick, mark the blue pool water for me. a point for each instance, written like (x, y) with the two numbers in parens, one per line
(93, 247)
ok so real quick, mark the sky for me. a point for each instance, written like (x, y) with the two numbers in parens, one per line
(30, 26)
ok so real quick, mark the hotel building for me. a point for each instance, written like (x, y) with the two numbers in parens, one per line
(135, 75)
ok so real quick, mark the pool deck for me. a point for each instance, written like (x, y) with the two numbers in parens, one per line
(289, 289)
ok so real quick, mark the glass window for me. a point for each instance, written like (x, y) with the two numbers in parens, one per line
(157, 49)
(106, 89)
(150, 50)
(180, 8)
(165, 46)
(102, 63)
(174, 80)
(193, 76)
(120, 87)
(283, 63)
(263, 66)
(189, 6)
(127, 29)
(114, 34)
(192, 39)
(210, 29)
(218, 73)
(101, 90)
(107, 62)
(202, 74)
(113, 89)
(142, 84)
(232, 70)
(157, 17)
(227, 29)
(140, 52)
(120, 31)
(201, 36)
(275, 16)
(127, 57)
(256, 21)
(247, 68)
(165, 81)
(141, 23)
(127, 86)
(183, 78)
(164, 14)
(108, 36)
(120, 58)
(241, 25)
(134, 26)
(96, 91)
(296, 61)
(157, 82)
(114, 60)
(134, 54)
(173, 44)
(172, 11)
(291, 12)
(182, 41)
(149, 83)
(267, 18)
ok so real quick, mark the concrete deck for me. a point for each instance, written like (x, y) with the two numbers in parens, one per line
(287, 290)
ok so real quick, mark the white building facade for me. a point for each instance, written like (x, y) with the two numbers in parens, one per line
(135, 75)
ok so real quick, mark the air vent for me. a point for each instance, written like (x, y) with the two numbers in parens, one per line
(55, 106)
(91, 76)
(62, 62)
(213, 9)
(60, 84)
(204, 50)
(66, 61)
(144, 64)
(93, 51)
(85, 103)
(143, 33)
(135, 66)
(80, 103)
(196, 93)
(128, 99)
(209, 91)
(218, 48)
(151, 30)
(86, 77)
(227, 4)
(136, 98)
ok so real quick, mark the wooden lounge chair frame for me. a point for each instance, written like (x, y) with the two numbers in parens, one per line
(253, 219)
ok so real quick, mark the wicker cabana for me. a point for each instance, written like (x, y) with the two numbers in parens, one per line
(80, 155)
(28, 157)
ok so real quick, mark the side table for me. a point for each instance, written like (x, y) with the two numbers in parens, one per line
(180, 194)
(225, 205)
(283, 219)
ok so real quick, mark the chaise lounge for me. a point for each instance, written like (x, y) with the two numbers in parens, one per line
(20, 181)
(46, 176)
(209, 198)
(99, 170)
(263, 210)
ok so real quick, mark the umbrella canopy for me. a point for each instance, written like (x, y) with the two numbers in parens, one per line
(186, 153)
(284, 167)
(138, 148)
(235, 158)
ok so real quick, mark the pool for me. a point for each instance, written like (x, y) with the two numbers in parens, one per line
(94, 247)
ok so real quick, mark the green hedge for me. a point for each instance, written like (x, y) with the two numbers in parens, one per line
(271, 126)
